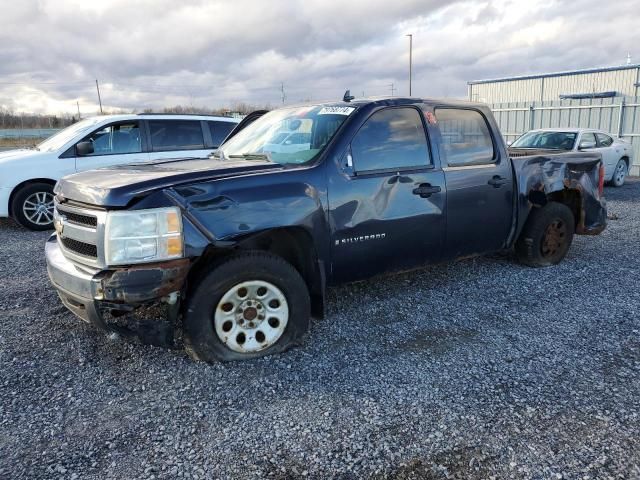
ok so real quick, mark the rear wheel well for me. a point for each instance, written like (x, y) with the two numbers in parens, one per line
(294, 245)
(570, 197)
(626, 160)
(18, 187)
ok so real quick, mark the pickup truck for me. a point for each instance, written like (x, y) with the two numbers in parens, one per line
(237, 250)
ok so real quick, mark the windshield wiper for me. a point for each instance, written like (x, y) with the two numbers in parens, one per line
(253, 156)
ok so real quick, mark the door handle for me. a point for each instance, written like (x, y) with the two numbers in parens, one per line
(425, 190)
(497, 181)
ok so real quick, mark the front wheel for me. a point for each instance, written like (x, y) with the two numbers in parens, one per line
(251, 305)
(32, 206)
(619, 174)
(547, 235)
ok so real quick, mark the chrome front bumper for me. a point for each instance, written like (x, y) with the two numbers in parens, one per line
(78, 289)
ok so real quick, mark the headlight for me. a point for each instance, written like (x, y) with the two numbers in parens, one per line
(141, 236)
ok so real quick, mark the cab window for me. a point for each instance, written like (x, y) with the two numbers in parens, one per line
(466, 139)
(116, 139)
(393, 138)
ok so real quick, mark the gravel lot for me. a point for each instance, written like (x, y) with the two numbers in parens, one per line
(480, 369)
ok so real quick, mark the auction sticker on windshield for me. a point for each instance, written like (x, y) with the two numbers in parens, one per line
(336, 110)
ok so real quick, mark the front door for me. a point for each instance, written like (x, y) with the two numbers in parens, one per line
(386, 206)
(114, 144)
(479, 183)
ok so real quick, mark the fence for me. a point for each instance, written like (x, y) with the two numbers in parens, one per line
(619, 116)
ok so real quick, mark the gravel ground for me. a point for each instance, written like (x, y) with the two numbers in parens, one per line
(479, 369)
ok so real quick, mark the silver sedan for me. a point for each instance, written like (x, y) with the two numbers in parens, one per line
(616, 153)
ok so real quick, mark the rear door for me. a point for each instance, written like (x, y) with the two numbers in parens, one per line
(479, 183)
(386, 204)
(176, 138)
(113, 144)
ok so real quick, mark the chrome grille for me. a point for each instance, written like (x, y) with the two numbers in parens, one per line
(81, 248)
(79, 219)
(80, 234)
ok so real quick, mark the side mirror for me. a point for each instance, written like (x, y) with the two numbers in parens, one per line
(84, 148)
(586, 145)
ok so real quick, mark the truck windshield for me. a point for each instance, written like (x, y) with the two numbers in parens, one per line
(550, 140)
(58, 140)
(287, 135)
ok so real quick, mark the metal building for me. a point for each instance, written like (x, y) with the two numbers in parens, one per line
(621, 81)
(602, 98)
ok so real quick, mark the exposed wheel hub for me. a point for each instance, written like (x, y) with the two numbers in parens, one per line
(250, 313)
(554, 238)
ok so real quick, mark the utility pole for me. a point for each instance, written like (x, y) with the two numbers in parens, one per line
(78, 104)
(99, 99)
(392, 88)
(282, 91)
(410, 58)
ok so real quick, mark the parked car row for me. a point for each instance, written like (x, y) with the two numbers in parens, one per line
(242, 245)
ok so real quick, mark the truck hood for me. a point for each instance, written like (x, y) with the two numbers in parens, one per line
(116, 186)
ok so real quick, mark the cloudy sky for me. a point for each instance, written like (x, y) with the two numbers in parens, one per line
(156, 53)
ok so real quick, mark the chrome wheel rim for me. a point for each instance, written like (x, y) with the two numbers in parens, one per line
(251, 316)
(620, 173)
(38, 208)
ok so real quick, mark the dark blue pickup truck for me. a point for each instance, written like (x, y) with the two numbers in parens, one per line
(238, 249)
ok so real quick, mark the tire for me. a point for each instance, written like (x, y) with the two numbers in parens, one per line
(32, 206)
(547, 235)
(619, 174)
(222, 324)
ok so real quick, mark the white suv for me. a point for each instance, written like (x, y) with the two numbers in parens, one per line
(27, 176)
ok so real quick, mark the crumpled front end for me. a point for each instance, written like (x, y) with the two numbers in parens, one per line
(102, 297)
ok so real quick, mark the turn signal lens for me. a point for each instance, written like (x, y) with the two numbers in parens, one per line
(173, 222)
(174, 246)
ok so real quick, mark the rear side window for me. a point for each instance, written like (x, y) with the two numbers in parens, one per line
(466, 139)
(391, 138)
(219, 131)
(176, 135)
(604, 140)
